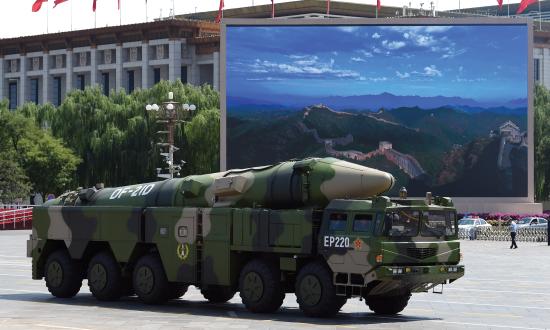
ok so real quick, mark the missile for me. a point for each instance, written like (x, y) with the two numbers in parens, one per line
(311, 182)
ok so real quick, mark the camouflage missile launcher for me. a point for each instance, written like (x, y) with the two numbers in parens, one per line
(315, 227)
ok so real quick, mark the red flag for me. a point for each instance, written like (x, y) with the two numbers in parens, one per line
(378, 5)
(220, 12)
(56, 2)
(524, 4)
(328, 7)
(272, 8)
(37, 5)
(93, 5)
(145, 1)
(499, 4)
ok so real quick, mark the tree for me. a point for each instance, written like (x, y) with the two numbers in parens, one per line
(46, 162)
(542, 143)
(13, 181)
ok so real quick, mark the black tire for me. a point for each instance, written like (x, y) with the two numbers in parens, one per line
(217, 293)
(105, 277)
(149, 280)
(176, 290)
(260, 287)
(388, 305)
(63, 275)
(315, 292)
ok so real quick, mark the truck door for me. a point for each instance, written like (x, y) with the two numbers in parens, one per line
(335, 241)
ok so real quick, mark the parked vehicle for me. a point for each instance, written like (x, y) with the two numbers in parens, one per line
(468, 223)
(532, 222)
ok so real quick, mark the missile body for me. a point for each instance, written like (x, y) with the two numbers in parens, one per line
(311, 182)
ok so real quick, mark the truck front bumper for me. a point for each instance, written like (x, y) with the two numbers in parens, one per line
(418, 275)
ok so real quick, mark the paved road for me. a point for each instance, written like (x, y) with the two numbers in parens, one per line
(503, 289)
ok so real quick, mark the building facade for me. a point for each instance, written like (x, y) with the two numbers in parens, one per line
(45, 68)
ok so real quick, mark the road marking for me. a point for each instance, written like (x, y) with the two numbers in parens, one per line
(463, 323)
(499, 291)
(11, 275)
(492, 314)
(474, 304)
(28, 291)
(59, 327)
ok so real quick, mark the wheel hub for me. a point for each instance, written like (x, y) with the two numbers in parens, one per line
(253, 286)
(310, 290)
(145, 280)
(98, 277)
(55, 274)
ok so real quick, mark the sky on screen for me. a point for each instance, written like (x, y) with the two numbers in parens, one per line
(16, 18)
(486, 63)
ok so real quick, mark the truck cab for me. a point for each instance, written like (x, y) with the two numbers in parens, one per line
(383, 250)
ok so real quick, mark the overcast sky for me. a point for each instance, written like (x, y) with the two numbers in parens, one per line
(16, 18)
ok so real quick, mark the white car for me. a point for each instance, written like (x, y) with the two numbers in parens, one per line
(532, 222)
(468, 223)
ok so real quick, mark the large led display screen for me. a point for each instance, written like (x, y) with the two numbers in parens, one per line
(444, 108)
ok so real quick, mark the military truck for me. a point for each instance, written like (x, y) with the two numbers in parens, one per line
(316, 227)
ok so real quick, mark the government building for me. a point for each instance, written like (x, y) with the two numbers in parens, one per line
(43, 68)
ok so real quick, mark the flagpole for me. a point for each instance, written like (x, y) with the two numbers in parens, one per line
(120, 13)
(508, 8)
(47, 19)
(71, 15)
(147, 17)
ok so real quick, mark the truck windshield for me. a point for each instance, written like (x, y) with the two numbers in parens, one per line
(401, 223)
(438, 223)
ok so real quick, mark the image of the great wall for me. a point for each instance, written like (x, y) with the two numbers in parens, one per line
(446, 150)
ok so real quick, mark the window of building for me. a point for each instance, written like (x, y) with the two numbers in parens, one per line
(34, 90)
(57, 90)
(130, 81)
(105, 76)
(156, 75)
(537, 69)
(81, 82)
(184, 74)
(12, 91)
(206, 72)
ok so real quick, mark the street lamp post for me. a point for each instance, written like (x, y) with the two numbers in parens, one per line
(168, 115)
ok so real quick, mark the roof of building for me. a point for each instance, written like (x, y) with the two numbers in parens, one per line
(197, 31)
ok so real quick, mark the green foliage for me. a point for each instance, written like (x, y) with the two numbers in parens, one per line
(542, 143)
(25, 147)
(116, 137)
(13, 181)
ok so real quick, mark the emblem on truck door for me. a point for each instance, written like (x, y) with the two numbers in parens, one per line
(183, 251)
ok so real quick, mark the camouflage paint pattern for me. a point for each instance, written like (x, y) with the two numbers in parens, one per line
(205, 227)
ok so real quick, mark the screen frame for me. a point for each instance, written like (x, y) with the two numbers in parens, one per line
(393, 22)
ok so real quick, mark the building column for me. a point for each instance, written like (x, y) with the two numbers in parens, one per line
(22, 79)
(216, 70)
(69, 76)
(93, 66)
(1, 78)
(45, 78)
(145, 65)
(174, 56)
(118, 75)
(193, 72)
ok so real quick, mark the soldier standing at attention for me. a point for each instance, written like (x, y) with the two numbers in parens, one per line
(513, 229)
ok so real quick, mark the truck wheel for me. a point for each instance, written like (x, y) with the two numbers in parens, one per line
(63, 275)
(149, 280)
(388, 305)
(176, 290)
(260, 287)
(217, 293)
(105, 277)
(315, 292)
